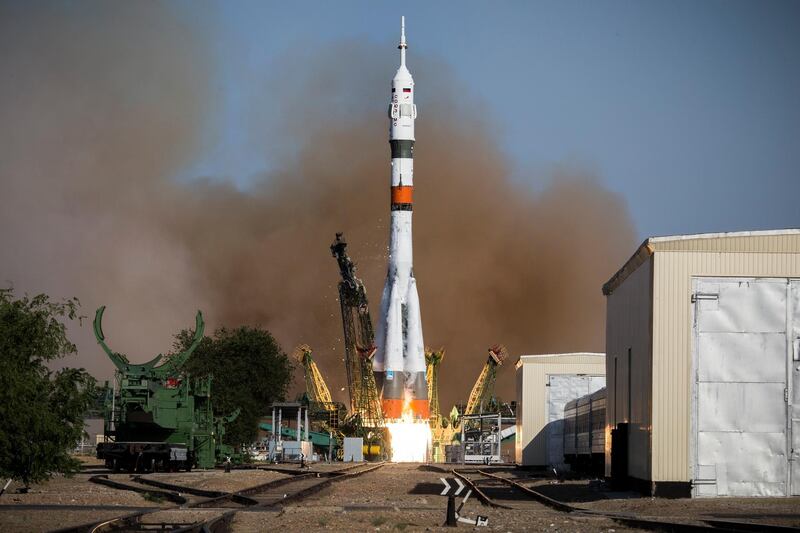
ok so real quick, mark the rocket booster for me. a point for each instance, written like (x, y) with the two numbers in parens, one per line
(399, 362)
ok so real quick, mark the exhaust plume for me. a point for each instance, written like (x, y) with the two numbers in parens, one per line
(103, 112)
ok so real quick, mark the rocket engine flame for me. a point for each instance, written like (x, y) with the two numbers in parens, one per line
(410, 436)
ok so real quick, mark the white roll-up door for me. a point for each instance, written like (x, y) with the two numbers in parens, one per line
(742, 329)
(794, 384)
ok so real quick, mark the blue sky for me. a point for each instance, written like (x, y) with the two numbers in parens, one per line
(689, 110)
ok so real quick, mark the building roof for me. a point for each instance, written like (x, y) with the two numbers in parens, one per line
(767, 241)
(550, 358)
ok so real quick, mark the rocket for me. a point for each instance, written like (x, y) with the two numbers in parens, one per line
(399, 362)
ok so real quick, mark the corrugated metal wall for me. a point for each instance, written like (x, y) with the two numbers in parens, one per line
(532, 375)
(520, 416)
(628, 366)
(672, 273)
(775, 243)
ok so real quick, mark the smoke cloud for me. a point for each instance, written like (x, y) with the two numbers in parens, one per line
(103, 108)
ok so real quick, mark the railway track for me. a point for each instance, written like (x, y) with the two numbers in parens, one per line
(487, 491)
(200, 510)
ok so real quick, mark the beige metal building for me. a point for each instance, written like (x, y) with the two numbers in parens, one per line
(703, 344)
(545, 383)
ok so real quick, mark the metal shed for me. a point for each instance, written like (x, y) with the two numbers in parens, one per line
(545, 383)
(703, 344)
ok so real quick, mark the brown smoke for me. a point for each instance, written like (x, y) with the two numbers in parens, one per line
(101, 114)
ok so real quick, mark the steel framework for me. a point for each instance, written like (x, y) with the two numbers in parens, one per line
(433, 358)
(359, 341)
(316, 387)
(483, 390)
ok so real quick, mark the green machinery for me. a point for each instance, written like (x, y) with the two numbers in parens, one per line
(158, 417)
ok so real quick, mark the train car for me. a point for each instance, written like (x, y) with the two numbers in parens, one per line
(598, 438)
(584, 432)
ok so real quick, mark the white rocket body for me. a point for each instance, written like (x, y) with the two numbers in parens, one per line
(399, 362)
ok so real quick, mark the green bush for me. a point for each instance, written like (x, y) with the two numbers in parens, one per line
(41, 411)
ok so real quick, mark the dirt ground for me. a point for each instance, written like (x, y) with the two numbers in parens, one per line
(594, 495)
(63, 502)
(76, 491)
(18, 521)
(401, 497)
(216, 480)
(404, 497)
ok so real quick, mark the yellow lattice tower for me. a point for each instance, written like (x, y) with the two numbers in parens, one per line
(315, 384)
(433, 359)
(483, 389)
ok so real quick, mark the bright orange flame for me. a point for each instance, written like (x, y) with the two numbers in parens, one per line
(411, 437)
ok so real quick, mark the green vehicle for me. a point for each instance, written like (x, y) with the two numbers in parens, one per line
(157, 417)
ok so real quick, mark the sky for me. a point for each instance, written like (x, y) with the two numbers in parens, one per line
(162, 157)
(688, 110)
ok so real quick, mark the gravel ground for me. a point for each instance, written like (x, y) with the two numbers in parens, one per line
(338, 519)
(14, 521)
(395, 497)
(182, 516)
(779, 511)
(71, 493)
(592, 495)
(218, 479)
(405, 497)
(77, 490)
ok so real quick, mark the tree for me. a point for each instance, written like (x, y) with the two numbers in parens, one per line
(41, 411)
(249, 369)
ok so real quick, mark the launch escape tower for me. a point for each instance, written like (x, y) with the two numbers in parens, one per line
(359, 340)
